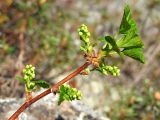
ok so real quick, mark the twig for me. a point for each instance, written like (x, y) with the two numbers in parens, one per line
(19, 64)
(48, 91)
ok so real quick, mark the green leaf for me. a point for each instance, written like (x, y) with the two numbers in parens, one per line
(127, 22)
(110, 40)
(41, 83)
(83, 48)
(130, 40)
(102, 39)
(20, 79)
(135, 53)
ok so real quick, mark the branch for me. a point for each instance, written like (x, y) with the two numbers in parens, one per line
(48, 91)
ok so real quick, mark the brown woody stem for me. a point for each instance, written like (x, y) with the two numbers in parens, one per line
(28, 96)
(48, 91)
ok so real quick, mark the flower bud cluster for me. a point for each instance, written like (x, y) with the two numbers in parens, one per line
(113, 70)
(84, 33)
(84, 36)
(69, 94)
(29, 73)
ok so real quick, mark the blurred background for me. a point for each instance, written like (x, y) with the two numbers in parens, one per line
(44, 33)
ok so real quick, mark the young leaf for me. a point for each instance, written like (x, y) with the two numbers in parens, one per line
(41, 83)
(20, 79)
(135, 53)
(110, 40)
(127, 22)
(130, 40)
(101, 38)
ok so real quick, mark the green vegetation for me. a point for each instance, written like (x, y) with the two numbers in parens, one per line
(133, 104)
(29, 79)
(129, 41)
(68, 93)
(126, 42)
